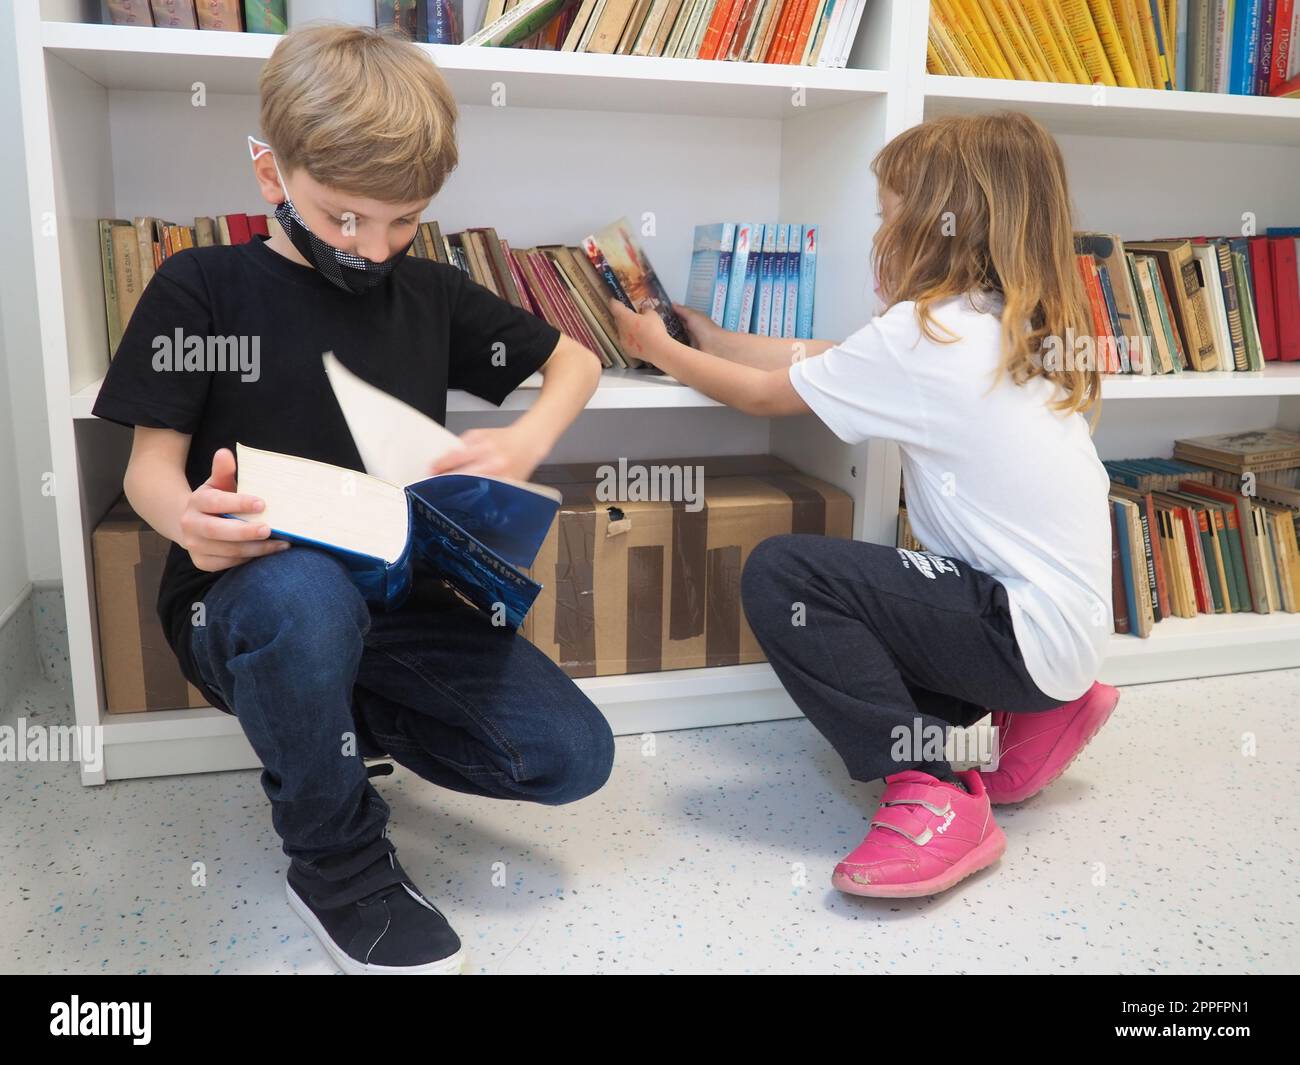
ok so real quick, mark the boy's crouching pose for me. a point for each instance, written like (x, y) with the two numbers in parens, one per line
(359, 135)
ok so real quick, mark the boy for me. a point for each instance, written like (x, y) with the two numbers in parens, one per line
(360, 135)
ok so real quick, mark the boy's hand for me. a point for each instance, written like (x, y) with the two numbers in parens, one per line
(216, 543)
(499, 452)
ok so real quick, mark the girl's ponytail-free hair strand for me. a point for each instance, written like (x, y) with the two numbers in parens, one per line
(984, 205)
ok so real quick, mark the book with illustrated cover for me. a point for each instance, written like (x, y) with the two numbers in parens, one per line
(474, 531)
(619, 259)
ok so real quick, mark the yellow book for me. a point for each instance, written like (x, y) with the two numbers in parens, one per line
(976, 46)
(973, 13)
(1083, 31)
(1016, 69)
(1158, 61)
(933, 64)
(1005, 26)
(950, 50)
(1043, 33)
(1036, 48)
(959, 39)
(1129, 21)
(1169, 29)
(1065, 40)
(1103, 19)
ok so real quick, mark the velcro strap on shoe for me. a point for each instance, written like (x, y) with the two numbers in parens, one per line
(339, 868)
(905, 822)
(381, 876)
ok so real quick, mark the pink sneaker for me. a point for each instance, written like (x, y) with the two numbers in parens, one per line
(1035, 749)
(926, 836)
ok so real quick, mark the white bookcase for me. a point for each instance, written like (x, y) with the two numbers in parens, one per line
(553, 145)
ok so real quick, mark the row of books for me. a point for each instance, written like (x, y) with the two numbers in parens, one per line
(1216, 536)
(1244, 47)
(755, 277)
(817, 33)
(1200, 303)
(231, 16)
(567, 286)
(1213, 530)
(433, 21)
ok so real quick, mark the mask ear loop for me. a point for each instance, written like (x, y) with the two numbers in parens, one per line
(253, 149)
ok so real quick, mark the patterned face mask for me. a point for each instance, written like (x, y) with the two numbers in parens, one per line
(352, 273)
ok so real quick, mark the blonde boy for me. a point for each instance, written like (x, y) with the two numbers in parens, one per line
(358, 135)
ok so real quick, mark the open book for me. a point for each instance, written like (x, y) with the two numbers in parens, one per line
(472, 530)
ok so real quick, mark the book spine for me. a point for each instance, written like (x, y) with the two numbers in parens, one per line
(793, 272)
(777, 327)
(736, 282)
(807, 283)
(750, 290)
(1118, 593)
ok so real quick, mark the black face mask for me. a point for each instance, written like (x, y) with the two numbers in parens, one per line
(352, 273)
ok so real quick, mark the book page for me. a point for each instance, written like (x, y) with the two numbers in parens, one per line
(326, 503)
(396, 442)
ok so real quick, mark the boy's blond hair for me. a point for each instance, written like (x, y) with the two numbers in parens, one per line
(984, 205)
(362, 110)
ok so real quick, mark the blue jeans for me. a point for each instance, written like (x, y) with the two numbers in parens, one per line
(319, 679)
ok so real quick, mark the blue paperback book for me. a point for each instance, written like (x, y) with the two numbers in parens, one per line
(474, 531)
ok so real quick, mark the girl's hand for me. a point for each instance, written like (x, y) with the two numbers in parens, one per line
(643, 335)
(499, 452)
(699, 327)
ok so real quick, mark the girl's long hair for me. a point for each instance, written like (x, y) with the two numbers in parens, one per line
(984, 205)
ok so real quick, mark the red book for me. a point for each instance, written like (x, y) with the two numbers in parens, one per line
(729, 29)
(1286, 296)
(1265, 307)
(717, 24)
(238, 226)
(1282, 45)
(1118, 601)
(1200, 582)
(257, 226)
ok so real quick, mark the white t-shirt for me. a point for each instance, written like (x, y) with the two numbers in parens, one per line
(996, 478)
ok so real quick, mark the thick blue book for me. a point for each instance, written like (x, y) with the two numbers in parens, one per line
(475, 531)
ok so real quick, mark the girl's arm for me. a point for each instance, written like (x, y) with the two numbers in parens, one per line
(747, 349)
(764, 392)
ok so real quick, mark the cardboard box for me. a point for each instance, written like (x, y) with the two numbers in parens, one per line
(140, 671)
(643, 585)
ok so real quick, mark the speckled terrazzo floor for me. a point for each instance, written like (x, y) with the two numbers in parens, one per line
(689, 860)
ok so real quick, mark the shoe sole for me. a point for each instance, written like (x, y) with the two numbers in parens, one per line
(981, 857)
(996, 799)
(350, 965)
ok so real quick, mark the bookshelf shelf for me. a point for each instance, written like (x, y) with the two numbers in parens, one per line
(618, 390)
(146, 58)
(1276, 379)
(102, 106)
(167, 742)
(1205, 646)
(1117, 112)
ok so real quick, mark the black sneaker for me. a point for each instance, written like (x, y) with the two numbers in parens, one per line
(370, 917)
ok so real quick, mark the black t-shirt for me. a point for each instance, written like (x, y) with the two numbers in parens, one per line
(427, 328)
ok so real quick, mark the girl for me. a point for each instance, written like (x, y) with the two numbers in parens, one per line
(1011, 605)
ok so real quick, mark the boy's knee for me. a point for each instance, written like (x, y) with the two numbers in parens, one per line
(303, 600)
(583, 756)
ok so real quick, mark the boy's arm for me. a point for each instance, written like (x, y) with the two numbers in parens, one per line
(569, 379)
(155, 483)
